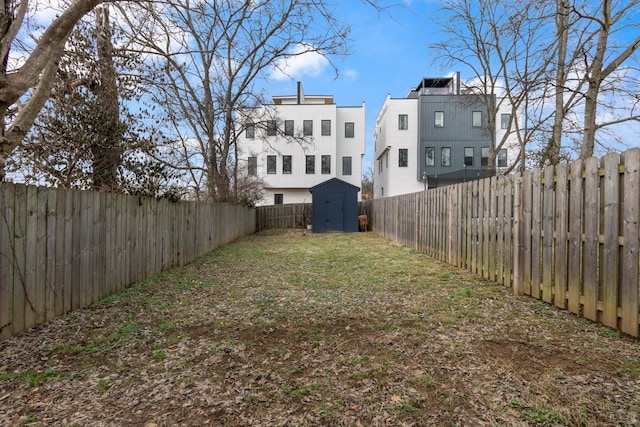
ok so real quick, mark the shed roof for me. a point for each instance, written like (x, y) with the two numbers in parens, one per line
(331, 181)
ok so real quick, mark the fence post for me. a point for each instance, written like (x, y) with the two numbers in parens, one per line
(518, 288)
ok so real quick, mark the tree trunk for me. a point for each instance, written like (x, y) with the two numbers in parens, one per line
(106, 147)
(562, 30)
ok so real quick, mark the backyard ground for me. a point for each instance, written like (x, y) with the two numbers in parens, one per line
(283, 328)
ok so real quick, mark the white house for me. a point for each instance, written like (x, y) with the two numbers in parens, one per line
(300, 141)
(437, 136)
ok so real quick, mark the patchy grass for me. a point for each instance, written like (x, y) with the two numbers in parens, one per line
(337, 329)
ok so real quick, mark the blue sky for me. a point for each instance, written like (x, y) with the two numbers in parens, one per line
(389, 55)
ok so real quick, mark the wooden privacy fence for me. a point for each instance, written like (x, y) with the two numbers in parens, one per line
(295, 215)
(568, 235)
(65, 249)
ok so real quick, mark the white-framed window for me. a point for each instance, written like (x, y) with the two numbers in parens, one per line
(325, 128)
(430, 156)
(250, 131)
(476, 119)
(252, 166)
(445, 156)
(288, 127)
(346, 166)
(307, 128)
(504, 121)
(349, 130)
(468, 156)
(502, 158)
(484, 156)
(310, 164)
(271, 164)
(438, 119)
(403, 121)
(325, 164)
(403, 157)
(287, 164)
(272, 128)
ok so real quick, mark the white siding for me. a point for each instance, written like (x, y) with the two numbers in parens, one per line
(294, 186)
(389, 178)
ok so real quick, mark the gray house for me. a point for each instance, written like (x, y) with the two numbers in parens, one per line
(436, 136)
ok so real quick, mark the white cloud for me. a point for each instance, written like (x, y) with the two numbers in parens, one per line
(302, 61)
(351, 74)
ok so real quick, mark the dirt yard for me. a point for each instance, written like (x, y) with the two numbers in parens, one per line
(339, 330)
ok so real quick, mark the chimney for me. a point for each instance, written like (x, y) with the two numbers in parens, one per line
(299, 94)
(457, 82)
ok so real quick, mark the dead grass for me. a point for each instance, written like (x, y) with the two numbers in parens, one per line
(337, 329)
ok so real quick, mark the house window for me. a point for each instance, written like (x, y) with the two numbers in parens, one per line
(430, 156)
(307, 128)
(252, 166)
(346, 166)
(310, 162)
(379, 166)
(326, 128)
(476, 119)
(286, 164)
(278, 199)
(272, 128)
(439, 119)
(502, 158)
(484, 156)
(271, 164)
(504, 121)
(403, 121)
(445, 156)
(250, 131)
(348, 130)
(288, 127)
(403, 157)
(326, 164)
(468, 156)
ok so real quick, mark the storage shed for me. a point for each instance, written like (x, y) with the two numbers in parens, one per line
(335, 206)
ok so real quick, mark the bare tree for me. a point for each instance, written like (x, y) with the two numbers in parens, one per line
(496, 41)
(602, 62)
(211, 56)
(34, 77)
(559, 62)
(590, 72)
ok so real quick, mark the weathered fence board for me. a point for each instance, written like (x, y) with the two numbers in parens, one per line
(569, 234)
(575, 237)
(610, 266)
(591, 234)
(560, 249)
(631, 232)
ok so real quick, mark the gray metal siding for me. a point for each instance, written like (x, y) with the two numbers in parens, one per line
(458, 131)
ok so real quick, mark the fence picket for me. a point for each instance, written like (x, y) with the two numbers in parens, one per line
(536, 233)
(7, 201)
(591, 233)
(527, 227)
(631, 234)
(560, 249)
(610, 252)
(575, 236)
